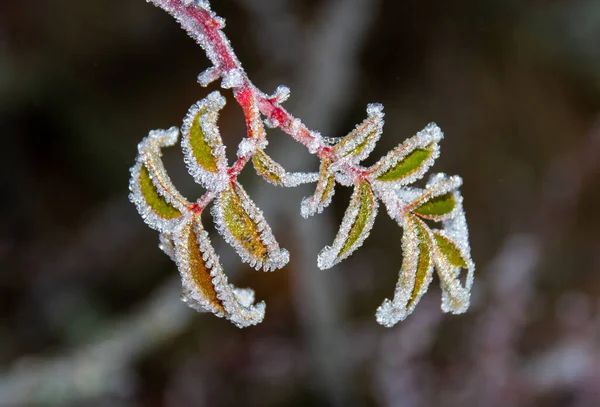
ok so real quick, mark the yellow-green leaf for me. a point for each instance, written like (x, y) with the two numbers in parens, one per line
(243, 226)
(200, 148)
(151, 190)
(204, 152)
(157, 202)
(450, 250)
(356, 226)
(267, 168)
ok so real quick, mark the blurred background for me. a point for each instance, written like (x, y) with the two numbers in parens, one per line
(89, 306)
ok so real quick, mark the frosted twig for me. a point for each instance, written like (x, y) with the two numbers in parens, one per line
(242, 224)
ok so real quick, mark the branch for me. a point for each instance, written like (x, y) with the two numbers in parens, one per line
(206, 28)
(242, 224)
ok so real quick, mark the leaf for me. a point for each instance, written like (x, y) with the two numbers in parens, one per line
(323, 193)
(204, 285)
(415, 274)
(410, 160)
(439, 206)
(151, 189)
(197, 266)
(267, 168)
(356, 226)
(407, 165)
(452, 256)
(204, 152)
(243, 226)
(157, 202)
(361, 141)
(275, 174)
(450, 251)
(439, 200)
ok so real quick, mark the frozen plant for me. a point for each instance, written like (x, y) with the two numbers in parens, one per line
(242, 224)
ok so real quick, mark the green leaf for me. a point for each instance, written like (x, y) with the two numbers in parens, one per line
(154, 200)
(410, 160)
(356, 226)
(449, 262)
(408, 165)
(450, 250)
(200, 148)
(415, 274)
(437, 206)
(367, 201)
(424, 263)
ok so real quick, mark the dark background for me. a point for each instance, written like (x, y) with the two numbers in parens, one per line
(89, 306)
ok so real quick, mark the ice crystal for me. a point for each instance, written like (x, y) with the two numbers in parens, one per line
(208, 76)
(282, 93)
(435, 235)
(233, 78)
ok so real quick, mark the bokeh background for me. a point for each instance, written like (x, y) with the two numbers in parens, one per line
(89, 306)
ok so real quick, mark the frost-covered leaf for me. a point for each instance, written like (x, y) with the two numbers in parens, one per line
(410, 160)
(361, 141)
(323, 193)
(151, 189)
(204, 285)
(415, 274)
(452, 255)
(439, 206)
(450, 251)
(356, 226)
(204, 152)
(243, 226)
(267, 168)
(439, 200)
(153, 198)
(275, 174)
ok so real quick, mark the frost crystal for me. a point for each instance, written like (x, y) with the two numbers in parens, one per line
(208, 76)
(233, 78)
(282, 93)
